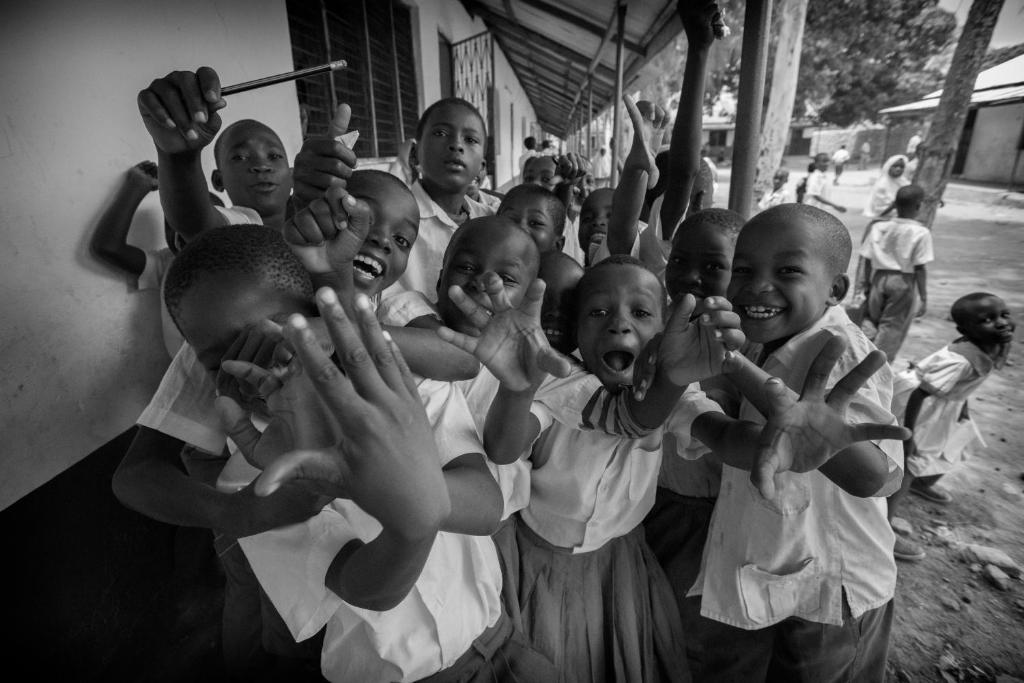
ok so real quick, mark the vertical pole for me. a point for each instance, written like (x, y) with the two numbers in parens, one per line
(590, 118)
(619, 65)
(369, 78)
(398, 81)
(747, 141)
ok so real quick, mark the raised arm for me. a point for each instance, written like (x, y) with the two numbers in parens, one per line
(639, 172)
(701, 21)
(110, 240)
(180, 113)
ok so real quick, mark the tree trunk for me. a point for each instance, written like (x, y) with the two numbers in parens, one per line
(785, 70)
(938, 150)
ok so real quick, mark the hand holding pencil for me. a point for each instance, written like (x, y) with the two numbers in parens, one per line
(180, 110)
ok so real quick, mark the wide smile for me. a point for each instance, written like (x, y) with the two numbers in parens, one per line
(367, 268)
(758, 312)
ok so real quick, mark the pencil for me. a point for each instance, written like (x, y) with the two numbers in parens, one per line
(283, 78)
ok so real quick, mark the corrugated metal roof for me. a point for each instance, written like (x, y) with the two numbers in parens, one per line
(552, 45)
(1001, 83)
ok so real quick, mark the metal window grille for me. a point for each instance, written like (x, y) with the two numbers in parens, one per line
(379, 83)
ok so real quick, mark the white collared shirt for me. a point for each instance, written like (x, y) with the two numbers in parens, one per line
(899, 244)
(436, 230)
(588, 487)
(766, 561)
(455, 598)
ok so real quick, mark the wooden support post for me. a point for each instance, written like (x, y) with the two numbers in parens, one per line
(756, 28)
(619, 66)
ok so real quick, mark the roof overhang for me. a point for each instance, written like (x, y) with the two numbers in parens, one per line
(560, 48)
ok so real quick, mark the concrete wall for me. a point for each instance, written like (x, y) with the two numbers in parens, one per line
(994, 144)
(82, 348)
(513, 112)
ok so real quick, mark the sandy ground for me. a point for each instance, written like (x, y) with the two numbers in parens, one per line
(951, 624)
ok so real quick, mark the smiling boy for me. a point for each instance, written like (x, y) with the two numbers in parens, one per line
(801, 585)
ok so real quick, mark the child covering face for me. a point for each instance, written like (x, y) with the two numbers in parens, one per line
(594, 217)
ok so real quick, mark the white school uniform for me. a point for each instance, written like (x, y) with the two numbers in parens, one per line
(766, 561)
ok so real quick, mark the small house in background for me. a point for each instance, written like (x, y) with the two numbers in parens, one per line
(993, 136)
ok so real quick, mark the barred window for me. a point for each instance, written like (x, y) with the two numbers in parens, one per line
(375, 38)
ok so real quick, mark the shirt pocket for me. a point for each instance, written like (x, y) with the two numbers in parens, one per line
(792, 494)
(769, 597)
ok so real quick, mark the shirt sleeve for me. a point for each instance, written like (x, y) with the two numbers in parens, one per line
(401, 308)
(923, 252)
(239, 215)
(942, 371)
(183, 405)
(291, 563)
(692, 404)
(153, 272)
(454, 430)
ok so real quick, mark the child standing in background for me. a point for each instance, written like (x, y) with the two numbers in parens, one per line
(931, 398)
(896, 254)
(252, 165)
(780, 192)
(819, 190)
(110, 243)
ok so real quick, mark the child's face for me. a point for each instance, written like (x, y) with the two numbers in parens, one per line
(452, 148)
(821, 162)
(253, 170)
(988, 322)
(779, 180)
(533, 215)
(541, 171)
(394, 226)
(493, 244)
(222, 305)
(616, 318)
(700, 263)
(594, 216)
(781, 282)
(557, 316)
(896, 169)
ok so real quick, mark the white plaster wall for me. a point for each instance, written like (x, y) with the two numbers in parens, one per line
(994, 143)
(448, 17)
(82, 348)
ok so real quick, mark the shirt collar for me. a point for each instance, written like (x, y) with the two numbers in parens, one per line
(430, 209)
(834, 317)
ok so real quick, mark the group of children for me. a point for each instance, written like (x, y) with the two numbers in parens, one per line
(437, 441)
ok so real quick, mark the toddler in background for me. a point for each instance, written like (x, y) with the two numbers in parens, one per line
(931, 399)
(538, 211)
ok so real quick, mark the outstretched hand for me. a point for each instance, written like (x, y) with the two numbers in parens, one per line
(702, 22)
(688, 350)
(384, 458)
(802, 435)
(328, 233)
(324, 161)
(511, 344)
(650, 122)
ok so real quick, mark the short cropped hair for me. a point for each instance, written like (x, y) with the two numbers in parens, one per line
(594, 272)
(908, 199)
(832, 239)
(218, 145)
(725, 222)
(553, 205)
(958, 311)
(530, 142)
(421, 125)
(246, 249)
(362, 181)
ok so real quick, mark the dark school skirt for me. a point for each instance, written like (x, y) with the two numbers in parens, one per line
(607, 616)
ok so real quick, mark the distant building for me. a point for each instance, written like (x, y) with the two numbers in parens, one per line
(993, 134)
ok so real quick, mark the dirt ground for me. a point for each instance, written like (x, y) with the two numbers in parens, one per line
(951, 624)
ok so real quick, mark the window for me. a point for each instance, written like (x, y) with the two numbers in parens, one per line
(718, 138)
(375, 38)
(444, 63)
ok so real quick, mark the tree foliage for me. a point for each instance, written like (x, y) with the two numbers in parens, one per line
(860, 56)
